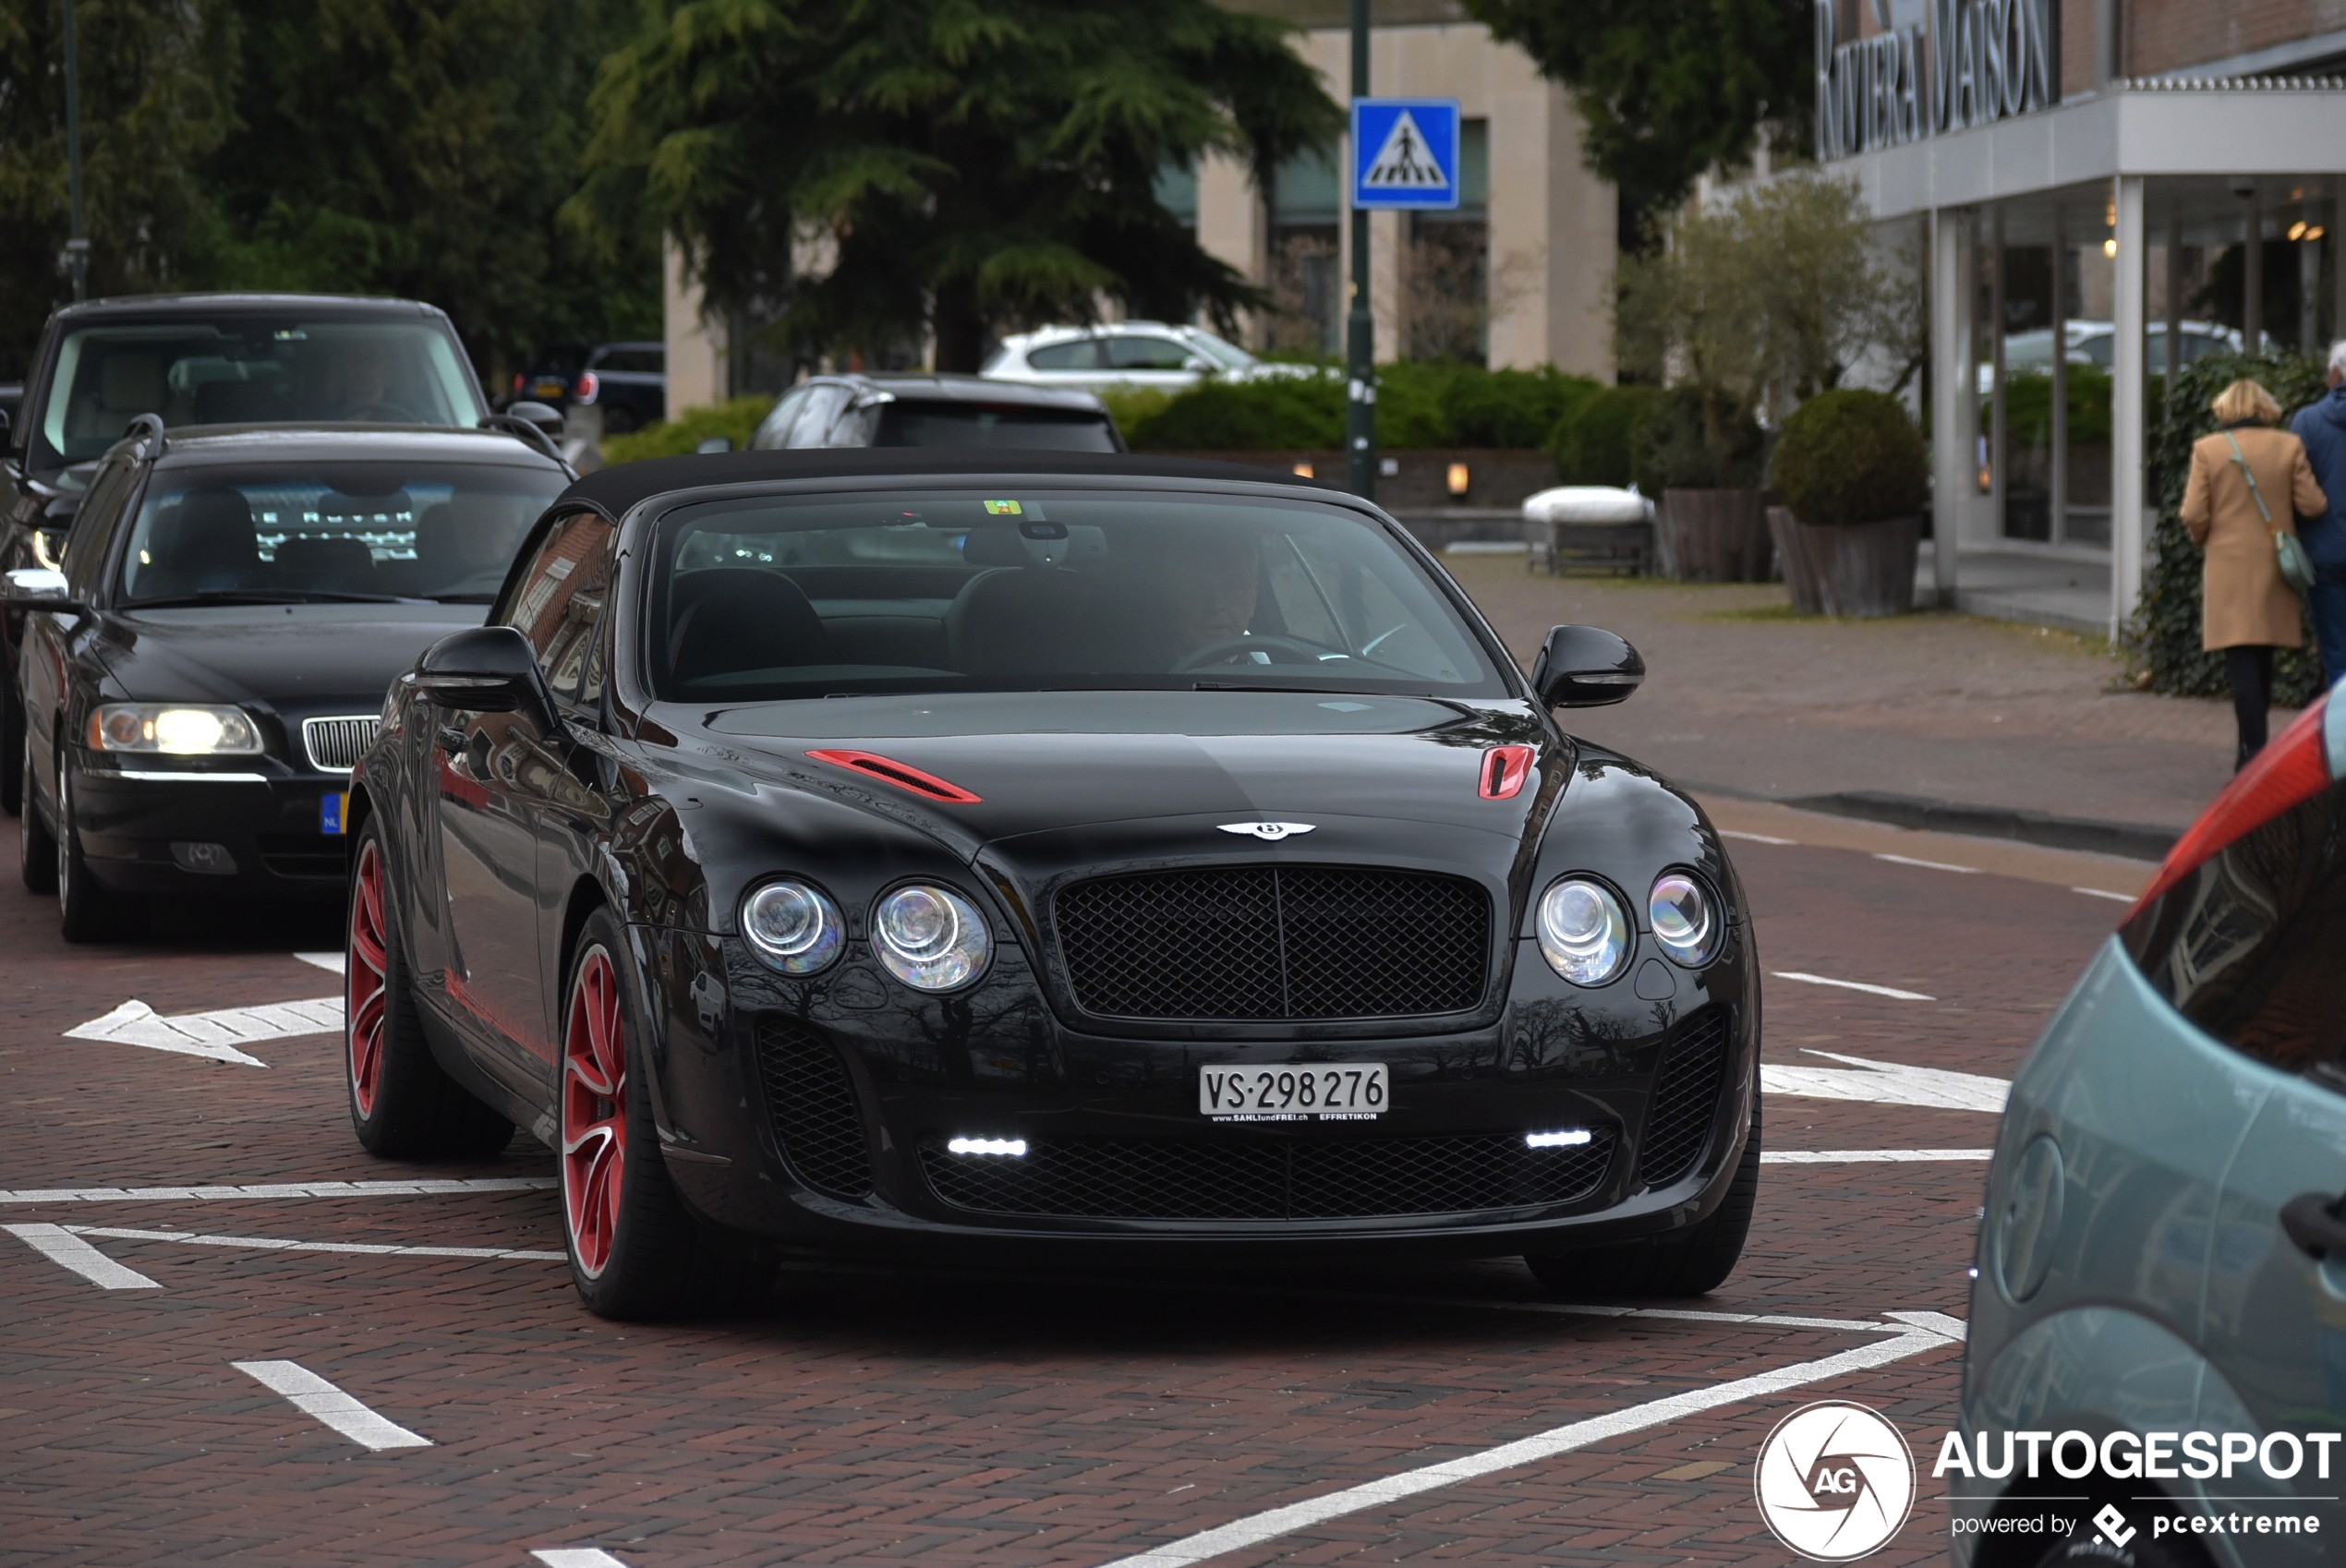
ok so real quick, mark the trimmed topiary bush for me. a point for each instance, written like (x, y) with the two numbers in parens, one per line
(1595, 440)
(1300, 412)
(1851, 456)
(2162, 639)
(1678, 449)
(1439, 404)
(1510, 408)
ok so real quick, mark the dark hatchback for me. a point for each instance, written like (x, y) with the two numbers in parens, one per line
(992, 851)
(212, 660)
(202, 359)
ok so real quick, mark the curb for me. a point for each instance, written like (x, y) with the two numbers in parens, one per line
(2134, 841)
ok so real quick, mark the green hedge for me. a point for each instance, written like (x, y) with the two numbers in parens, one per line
(1851, 456)
(2163, 638)
(1596, 440)
(1418, 406)
(1677, 449)
(736, 421)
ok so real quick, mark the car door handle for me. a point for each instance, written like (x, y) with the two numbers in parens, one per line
(2312, 1221)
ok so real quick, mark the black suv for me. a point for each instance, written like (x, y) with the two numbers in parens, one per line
(204, 359)
(914, 409)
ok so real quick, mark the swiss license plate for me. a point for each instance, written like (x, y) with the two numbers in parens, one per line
(1326, 1091)
(331, 811)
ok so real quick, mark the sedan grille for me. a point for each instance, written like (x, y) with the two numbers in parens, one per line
(1351, 1178)
(812, 1102)
(1276, 942)
(335, 744)
(1686, 1097)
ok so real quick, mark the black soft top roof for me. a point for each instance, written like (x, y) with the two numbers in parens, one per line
(615, 490)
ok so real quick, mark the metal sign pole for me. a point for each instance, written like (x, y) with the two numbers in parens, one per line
(78, 241)
(1360, 420)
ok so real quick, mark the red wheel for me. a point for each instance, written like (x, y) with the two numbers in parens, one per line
(364, 962)
(594, 1111)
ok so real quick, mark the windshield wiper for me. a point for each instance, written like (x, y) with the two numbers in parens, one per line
(268, 596)
(1305, 691)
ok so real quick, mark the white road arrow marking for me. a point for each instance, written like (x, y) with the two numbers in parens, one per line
(314, 1396)
(215, 1034)
(1887, 1083)
(68, 1250)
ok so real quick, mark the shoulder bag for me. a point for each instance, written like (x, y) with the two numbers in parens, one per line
(2289, 554)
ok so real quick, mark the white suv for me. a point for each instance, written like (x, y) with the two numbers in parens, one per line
(1124, 355)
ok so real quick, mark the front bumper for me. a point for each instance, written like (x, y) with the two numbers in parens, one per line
(820, 1112)
(138, 823)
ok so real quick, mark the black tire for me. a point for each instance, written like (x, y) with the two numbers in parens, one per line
(403, 1103)
(630, 1241)
(11, 744)
(1694, 1262)
(37, 848)
(88, 910)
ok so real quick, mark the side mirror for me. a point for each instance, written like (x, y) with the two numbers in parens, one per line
(714, 443)
(546, 418)
(37, 587)
(1586, 667)
(484, 669)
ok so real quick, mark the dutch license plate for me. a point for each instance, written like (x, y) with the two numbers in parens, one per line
(331, 811)
(1327, 1092)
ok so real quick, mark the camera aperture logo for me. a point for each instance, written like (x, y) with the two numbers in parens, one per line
(1835, 1481)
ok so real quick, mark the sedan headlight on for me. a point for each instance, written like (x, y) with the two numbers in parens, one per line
(794, 927)
(1583, 934)
(931, 937)
(175, 729)
(1683, 918)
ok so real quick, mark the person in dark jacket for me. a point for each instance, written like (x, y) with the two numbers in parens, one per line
(2322, 427)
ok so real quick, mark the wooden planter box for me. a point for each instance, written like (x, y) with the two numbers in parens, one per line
(1715, 537)
(1861, 570)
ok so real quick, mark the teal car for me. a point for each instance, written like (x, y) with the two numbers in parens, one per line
(2161, 1264)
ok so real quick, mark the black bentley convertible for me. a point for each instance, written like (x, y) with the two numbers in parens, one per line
(988, 852)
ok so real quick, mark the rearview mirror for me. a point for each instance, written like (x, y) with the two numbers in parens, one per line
(484, 669)
(37, 587)
(1586, 667)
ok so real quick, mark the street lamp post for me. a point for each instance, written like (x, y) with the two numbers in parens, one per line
(78, 240)
(1360, 419)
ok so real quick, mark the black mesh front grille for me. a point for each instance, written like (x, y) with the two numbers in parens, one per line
(1276, 942)
(1352, 1179)
(1685, 1095)
(813, 1103)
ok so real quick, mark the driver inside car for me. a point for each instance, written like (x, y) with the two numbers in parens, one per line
(360, 376)
(1210, 584)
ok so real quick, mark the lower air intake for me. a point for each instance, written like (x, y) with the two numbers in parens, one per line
(1351, 1178)
(1686, 1099)
(812, 1100)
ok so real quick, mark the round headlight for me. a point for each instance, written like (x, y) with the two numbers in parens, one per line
(1583, 934)
(931, 937)
(1682, 918)
(792, 926)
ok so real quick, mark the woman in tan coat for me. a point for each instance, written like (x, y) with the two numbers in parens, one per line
(2248, 608)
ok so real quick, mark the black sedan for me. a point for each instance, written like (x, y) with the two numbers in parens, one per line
(212, 660)
(1005, 852)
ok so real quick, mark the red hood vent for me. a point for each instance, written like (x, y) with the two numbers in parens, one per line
(1505, 768)
(905, 776)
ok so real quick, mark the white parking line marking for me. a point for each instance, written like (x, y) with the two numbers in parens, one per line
(2098, 893)
(215, 1034)
(1926, 865)
(576, 1557)
(1868, 1156)
(314, 1396)
(1807, 979)
(1935, 1322)
(212, 1194)
(55, 1243)
(1755, 838)
(276, 1244)
(1886, 1083)
(1274, 1523)
(332, 962)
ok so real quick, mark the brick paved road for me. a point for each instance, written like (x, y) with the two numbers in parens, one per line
(903, 1416)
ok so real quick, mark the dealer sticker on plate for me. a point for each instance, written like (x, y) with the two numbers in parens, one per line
(1326, 1091)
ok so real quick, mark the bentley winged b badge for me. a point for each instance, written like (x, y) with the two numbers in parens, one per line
(1269, 832)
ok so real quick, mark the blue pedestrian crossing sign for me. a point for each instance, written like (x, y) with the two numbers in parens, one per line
(1405, 153)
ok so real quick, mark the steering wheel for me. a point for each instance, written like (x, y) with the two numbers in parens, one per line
(382, 414)
(1231, 650)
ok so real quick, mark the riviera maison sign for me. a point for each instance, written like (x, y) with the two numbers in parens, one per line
(1974, 61)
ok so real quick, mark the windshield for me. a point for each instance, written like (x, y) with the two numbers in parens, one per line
(1024, 590)
(251, 371)
(1231, 356)
(340, 531)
